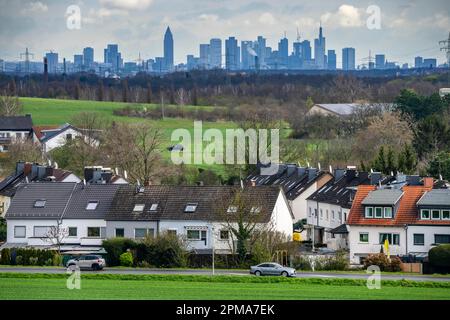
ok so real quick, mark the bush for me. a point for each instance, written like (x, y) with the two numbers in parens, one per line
(440, 256)
(301, 263)
(382, 261)
(115, 247)
(338, 262)
(5, 258)
(57, 260)
(164, 251)
(34, 261)
(19, 260)
(126, 259)
(49, 262)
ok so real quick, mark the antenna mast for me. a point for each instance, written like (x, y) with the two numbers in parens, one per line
(27, 55)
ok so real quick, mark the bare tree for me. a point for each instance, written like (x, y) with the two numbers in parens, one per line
(56, 235)
(135, 148)
(9, 105)
(22, 150)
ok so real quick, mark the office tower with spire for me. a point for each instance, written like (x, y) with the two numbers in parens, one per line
(168, 50)
(215, 51)
(319, 50)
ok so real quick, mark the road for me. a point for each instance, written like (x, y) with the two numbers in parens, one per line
(324, 275)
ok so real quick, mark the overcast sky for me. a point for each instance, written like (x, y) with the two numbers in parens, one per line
(408, 27)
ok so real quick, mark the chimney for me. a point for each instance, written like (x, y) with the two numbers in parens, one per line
(20, 167)
(49, 171)
(351, 174)
(291, 169)
(312, 172)
(415, 180)
(34, 170)
(253, 182)
(301, 171)
(27, 168)
(88, 173)
(375, 178)
(428, 182)
(41, 172)
(338, 173)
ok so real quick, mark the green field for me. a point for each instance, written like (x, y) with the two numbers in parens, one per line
(58, 112)
(203, 288)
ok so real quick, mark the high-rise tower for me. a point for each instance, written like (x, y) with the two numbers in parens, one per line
(168, 49)
(319, 50)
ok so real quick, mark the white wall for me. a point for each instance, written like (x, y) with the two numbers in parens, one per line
(358, 249)
(59, 140)
(29, 224)
(428, 232)
(281, 217)
(129, 227)
(299, 205)
(82, 233)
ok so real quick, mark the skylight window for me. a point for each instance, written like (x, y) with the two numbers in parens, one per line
(232, 209)
(92, 205)
(40, 203)
(154, 207)
(255, 210)
(190, 207)
(139, 207)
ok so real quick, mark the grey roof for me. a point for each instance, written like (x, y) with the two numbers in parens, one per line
(383, 197)
(56, 194)
(50, 133)
(435, 197)
(342, 229)
(83, 194)
(172, 201)
(343, 109)
(16, 123)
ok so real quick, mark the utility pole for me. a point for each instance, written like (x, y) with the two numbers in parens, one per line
(27, 55)
(445, 46)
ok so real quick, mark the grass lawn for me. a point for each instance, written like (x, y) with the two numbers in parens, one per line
(199, 288)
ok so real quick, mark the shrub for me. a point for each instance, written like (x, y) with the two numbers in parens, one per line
(115, 247)
(440, 256)
(301, 263)
(57, 260)
(382, 261)
(34, 261)
(49, 262)
(5, 258)
(126, 259)
(19, 260)
(339, 262)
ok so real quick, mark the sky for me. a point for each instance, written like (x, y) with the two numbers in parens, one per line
(408, 28)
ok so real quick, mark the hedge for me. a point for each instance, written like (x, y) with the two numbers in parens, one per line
(440, 256)
(28, 257)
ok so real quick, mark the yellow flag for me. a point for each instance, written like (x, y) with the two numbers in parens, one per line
(297, 236)
(386, 248)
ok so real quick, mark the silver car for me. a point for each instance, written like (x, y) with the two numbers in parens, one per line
(90, 261)
(272, 269)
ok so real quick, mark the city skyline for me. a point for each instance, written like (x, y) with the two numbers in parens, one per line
(137, 26)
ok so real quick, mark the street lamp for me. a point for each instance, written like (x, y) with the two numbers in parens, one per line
(212, 244)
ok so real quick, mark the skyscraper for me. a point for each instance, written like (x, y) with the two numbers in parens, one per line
(261, 50)
(418, 62)
(248, 55)
(168, 49)
(380, 61)
(306, 50)
(78, 62)
(232, 55)
(319, 50)
(113, 57)
(52, 61)
(88, 57)
(331, 60)
(348, 59)
(283, 52)
(205, 51)
(215, 46)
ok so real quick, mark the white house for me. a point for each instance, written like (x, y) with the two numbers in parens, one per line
(15, 128)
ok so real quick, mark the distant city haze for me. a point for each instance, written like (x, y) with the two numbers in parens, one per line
(205, 29)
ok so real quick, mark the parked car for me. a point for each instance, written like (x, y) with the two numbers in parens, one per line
(272, 269)
(91, 261)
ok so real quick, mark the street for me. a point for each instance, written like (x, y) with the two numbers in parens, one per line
(349, 275)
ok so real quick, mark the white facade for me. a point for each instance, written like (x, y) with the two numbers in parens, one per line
(360, 249)
(429, 233)
(60, 139)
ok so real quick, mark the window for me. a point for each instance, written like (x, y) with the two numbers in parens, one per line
(310, 212)
(445, 214)
(196, 235)
(419, 239)
(93, 232)
(224, 235)
(321, 214)
(120, 232)
(73, 231)
(315, 213)
(19, 135)
(369, 212)
(393, 238)
(424, 214)
(441, 238)
(190, 207)
(69, 136)
(255, 210)
(232, 209)
(378, 212)
(363, 237)
(40, 232)
(388, 212)
(435, 214)
(20, 232)
(327, 215)
(40, 203)
(172, 232)
(140, 233)
(154, 207)
(332, 215)
(92, 205)
(138, 207)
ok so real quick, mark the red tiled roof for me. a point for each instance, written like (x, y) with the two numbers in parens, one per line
(38, 130)
(407, 212)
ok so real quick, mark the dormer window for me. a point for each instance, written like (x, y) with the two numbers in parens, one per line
(232, 209)
(92, 205)
(378, 212)
(190, 207)
(369, 212)
(435, 214)
(40, 203)
(154, 207)
(425, 214)
(387, 212)
(138, 207)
